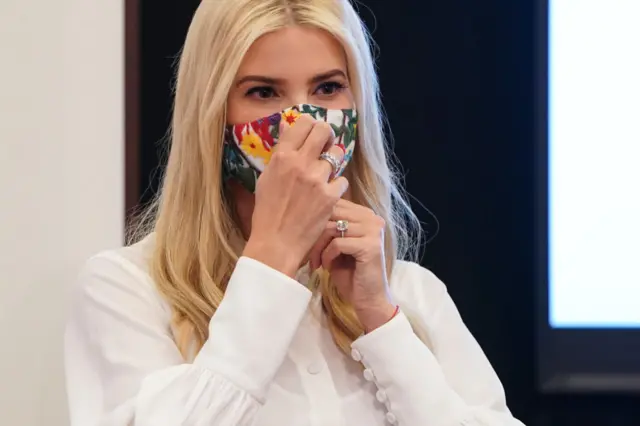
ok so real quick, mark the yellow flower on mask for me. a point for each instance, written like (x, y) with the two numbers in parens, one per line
(290, 116)
(252, 145)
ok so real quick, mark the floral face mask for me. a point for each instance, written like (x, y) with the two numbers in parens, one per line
(248, 147)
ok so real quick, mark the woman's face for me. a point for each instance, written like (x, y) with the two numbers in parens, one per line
(294, 65)
(291, 66)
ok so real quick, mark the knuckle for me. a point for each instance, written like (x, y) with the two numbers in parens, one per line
(320, 185)
(305, 175)
(325, 128)
(278, 157)
(312, 182)
(305, 119)
(379, 221)
(298, 169)
(286, 160)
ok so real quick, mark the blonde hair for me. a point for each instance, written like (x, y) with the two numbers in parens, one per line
(197, 240)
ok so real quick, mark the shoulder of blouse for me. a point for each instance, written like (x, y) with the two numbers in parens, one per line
(126, 269)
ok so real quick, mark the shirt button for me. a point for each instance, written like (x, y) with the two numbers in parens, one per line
(356, 355)
(314, 368)
(391, 418)
(368, 375)
(381, 396)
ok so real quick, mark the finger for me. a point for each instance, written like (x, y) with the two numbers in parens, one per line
(330, 232)
(338, 187)
(319, 139)
(324, 168)
(292, 137)
(340, 246)
(315, 255)
(348, 210)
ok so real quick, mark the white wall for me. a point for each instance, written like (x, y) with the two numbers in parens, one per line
(61, 183)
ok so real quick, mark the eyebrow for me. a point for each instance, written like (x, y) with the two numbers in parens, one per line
(275, 81)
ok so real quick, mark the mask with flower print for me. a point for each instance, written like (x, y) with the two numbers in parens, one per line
(248, 146)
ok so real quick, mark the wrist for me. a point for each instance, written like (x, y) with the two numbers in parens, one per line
(273, 255)
(376, 315)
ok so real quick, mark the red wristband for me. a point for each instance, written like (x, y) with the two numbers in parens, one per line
(395, 313)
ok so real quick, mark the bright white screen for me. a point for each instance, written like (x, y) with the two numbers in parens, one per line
(594, 163)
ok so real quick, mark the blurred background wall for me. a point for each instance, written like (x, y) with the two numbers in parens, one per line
(61, 183)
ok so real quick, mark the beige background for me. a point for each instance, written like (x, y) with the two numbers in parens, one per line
(61, 183)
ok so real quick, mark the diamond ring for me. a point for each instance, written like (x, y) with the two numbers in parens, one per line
(342, 226)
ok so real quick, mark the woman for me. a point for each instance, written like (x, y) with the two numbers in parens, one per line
(278, 300)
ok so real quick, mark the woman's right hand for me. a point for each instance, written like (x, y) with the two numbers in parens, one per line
(294, 198)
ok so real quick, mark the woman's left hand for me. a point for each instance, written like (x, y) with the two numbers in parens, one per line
(357, 262)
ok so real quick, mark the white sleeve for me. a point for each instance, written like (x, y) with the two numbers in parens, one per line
(451, 383)
(123, 367)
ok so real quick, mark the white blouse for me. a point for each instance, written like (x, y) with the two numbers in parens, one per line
(270, 359)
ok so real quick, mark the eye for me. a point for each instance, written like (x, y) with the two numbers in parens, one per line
(330, 88)
(261, 92)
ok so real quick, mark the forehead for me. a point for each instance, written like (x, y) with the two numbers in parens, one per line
(292, 52)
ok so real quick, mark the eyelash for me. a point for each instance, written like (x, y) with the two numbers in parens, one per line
(335, 85)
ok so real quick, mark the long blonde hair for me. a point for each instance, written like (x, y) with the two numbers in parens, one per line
(197, 240)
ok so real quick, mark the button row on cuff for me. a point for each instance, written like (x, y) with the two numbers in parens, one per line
(356, 355)
(368, 375)
(381, 396)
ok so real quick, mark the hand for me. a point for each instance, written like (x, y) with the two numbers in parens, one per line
(294, 198)
(357, 262)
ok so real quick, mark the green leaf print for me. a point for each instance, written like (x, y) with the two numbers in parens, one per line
(347, 138)
(247, 176)
(349, 115)
(336, 129)
(307, 109)
(316, 112)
